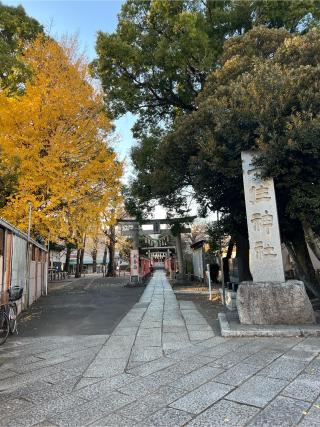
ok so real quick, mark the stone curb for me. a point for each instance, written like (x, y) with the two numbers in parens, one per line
(235, 329)
(191, 293)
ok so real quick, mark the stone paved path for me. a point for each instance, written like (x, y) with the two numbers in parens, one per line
(161, 366)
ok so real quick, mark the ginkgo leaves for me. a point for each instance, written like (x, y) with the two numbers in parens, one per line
(59, 132)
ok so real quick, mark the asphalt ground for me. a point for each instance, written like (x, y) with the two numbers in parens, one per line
(85, 306)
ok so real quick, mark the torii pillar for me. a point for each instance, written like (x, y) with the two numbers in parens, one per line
(135, 235)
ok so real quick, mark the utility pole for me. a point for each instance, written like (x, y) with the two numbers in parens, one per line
(30, 220)
(48, 265)
(221, 264)
(28, 249)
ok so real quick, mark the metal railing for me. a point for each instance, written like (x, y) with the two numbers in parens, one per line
(54, 275)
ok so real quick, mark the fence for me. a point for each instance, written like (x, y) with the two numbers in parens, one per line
(144, 267)
(170, 266)
(54, 275)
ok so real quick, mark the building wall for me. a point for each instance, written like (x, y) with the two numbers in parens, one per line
(20, 268)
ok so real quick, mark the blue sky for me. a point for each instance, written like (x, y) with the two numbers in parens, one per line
(83, 18)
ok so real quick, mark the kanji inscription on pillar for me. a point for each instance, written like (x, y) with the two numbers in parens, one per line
(265, 246)
(134, 262)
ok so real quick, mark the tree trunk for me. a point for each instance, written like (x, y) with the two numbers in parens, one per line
(104, 260)
(110, 271)
(298, 250)
(312, 240)
(94, 260)
(242, 243)
(78, 271)
(68, 255)
(81, 260)
(111, 248)
(315, 248)
(225, 261)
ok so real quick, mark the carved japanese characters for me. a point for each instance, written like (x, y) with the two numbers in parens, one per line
(265, 246)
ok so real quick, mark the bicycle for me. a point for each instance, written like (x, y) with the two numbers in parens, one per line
(8, 312)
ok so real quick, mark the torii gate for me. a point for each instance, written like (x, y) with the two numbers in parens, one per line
(135, 230)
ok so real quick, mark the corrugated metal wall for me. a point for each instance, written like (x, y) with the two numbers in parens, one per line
(32, 282)
(7, 259)
(19, 267)
(39, 281)
(19, 262)
(14, 263)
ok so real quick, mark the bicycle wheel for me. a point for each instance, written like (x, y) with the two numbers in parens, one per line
(12, 318)
(4, 327)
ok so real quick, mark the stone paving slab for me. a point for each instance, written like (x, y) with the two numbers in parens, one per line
(262, 358)
(196, 378)
(202, 397)
(237, 374)
(227, 413)
(161, 366)
(168, 417)
(312, 416)
(258, 391)
(145, 354)
(140, 387)
(304, 386)
(284, 368)
(114, 420)
(282, 411)
(143, 408)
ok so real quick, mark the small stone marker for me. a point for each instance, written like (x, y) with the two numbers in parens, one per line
(268, 299)
(265, 246)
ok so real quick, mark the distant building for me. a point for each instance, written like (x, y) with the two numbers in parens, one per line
(58, 259)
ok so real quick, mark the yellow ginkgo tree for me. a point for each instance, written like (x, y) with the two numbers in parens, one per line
(59, 132)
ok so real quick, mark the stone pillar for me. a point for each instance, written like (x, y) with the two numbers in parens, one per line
(179, 255)
(134, 254)
(268, 299)
(134, 265)
(263, 227)
(135, 235)
(169, 263)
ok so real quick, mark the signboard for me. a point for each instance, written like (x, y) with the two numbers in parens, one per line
(134, 262)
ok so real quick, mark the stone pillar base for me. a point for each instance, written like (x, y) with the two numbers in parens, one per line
(272, 303)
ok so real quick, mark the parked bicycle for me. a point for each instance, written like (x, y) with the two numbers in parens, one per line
(8, 312)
